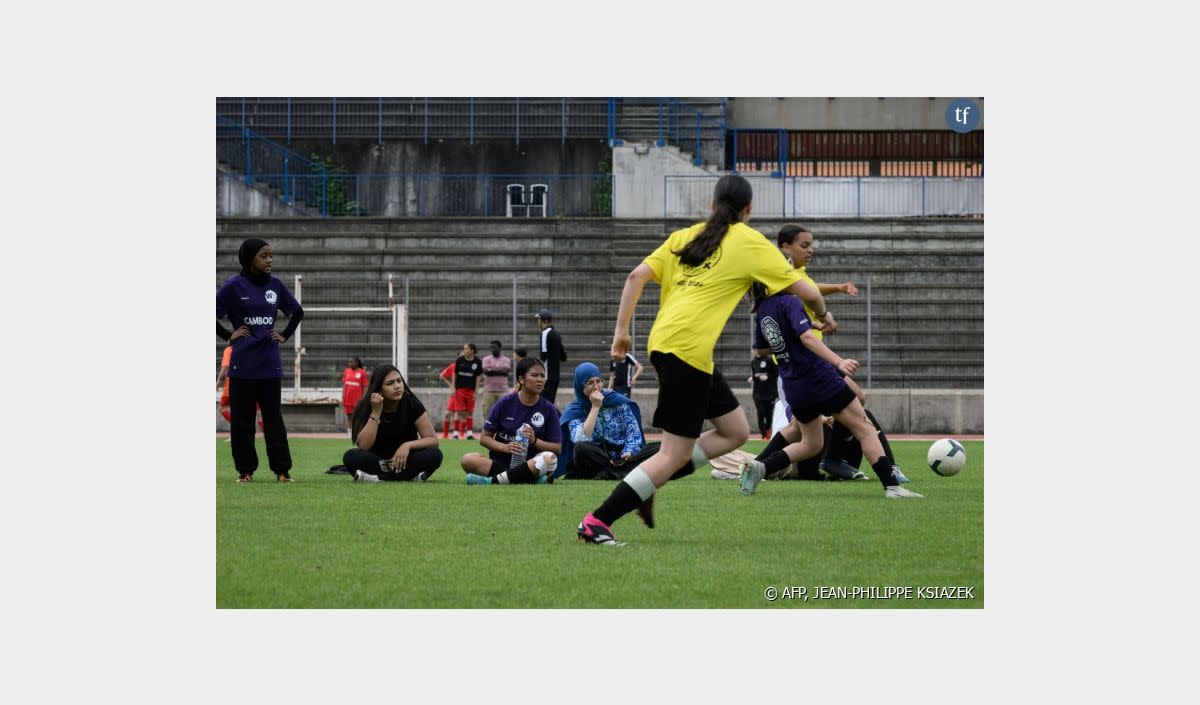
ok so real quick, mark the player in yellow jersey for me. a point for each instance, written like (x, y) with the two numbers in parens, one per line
(704, 271)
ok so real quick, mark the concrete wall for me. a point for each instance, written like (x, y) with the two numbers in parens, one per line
(236, 199)
(577, 156)
(948, 411)
(841, 113)
(639, 185)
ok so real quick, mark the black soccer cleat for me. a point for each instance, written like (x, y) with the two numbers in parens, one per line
(645, 512)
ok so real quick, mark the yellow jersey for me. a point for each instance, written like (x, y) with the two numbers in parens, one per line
(696, 302)
(812, 315)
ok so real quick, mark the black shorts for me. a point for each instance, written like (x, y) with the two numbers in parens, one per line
(688, 396)
(840, 400)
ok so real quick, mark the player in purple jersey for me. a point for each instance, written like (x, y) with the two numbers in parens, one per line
(842, 453)
(251, 299)
(812, 387)
(523, 408)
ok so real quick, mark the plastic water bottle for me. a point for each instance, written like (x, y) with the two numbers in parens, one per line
(520, 456)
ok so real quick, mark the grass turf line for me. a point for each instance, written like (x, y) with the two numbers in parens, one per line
(328, 542)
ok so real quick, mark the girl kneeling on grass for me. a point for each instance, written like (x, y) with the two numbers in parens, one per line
(393, 435)
(811, 386)
(526, 408)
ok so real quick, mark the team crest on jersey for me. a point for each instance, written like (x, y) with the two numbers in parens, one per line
(690, 271)
(272, 297)
(537, 419)
(772, 333)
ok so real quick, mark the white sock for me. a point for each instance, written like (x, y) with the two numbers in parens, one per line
(544, 467)
(502, 478)
(641, 483)
(699, 457)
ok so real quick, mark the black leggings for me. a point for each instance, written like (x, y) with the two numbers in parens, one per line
(590, 462)
(425, 460)
(840, 444)
(244, 395)
(766, 411)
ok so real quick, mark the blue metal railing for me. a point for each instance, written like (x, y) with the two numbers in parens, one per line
(457, 195)
(419, 118)
(261, 159)
(691, 127)
(379, 118)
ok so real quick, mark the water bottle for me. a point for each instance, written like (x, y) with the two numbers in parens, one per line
(519, 457)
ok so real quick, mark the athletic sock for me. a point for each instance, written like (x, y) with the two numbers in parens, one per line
(624, 498)
(776, 461)
(777, 442)
(887, 448)
(520, 475)
(470, 424)
(445, 428)
(883, 470)
(684, 471)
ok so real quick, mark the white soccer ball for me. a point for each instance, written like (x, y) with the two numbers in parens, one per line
(946, 457)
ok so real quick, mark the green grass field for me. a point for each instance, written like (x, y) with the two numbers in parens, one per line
(328, 542)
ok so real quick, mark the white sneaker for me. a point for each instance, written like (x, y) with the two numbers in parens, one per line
(360, 476)
(421, 477)
(454, 435)
(470, 436)
(724, 475)
(901, 492)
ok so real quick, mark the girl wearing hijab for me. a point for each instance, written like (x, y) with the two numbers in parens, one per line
(601, 431)
(251, 299)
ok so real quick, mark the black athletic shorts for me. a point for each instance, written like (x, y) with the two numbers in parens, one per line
(840, 400)
(687, 396)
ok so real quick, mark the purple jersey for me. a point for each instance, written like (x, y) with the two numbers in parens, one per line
(778, 324)
(509, 413)
(248, 304)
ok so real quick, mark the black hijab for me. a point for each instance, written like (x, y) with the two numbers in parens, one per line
(250, 247)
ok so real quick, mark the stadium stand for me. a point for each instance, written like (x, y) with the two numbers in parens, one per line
(926, 287)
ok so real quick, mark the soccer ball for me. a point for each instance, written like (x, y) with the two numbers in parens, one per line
(946, 457)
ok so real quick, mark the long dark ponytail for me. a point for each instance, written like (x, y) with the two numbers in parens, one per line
(730, 198)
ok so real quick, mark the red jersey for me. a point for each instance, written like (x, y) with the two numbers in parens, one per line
(354, 382)
(225, 357)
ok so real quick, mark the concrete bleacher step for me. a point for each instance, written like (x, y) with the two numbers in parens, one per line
(926, 281)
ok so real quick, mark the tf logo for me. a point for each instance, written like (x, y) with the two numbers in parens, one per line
(690, 271)
(272, 297)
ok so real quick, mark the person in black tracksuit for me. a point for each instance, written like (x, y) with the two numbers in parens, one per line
(551, 352)
(394, 440)
(764, 375)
